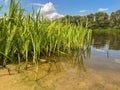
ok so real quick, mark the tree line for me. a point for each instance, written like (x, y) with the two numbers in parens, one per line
(95, 21)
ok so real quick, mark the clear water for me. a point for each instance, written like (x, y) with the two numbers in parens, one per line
(99, 71)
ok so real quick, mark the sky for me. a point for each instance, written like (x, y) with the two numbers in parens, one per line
(58, 8)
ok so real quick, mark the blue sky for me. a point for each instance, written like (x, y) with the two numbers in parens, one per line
(59, 8)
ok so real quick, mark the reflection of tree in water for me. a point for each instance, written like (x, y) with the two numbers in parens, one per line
(101, 38)
(115, 41)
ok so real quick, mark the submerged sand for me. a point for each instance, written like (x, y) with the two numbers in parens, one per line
(61, 76)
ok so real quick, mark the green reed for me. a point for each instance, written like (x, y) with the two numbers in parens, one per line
(23, 35)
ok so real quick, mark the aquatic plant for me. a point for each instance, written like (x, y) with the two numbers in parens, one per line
(24, 36)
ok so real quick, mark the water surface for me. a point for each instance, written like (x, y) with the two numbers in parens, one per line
(97, 69)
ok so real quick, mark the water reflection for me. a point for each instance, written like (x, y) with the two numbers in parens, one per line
(101, 38)
(79, 56)
(60, 66)
(59, 73)
(76, 60)
(100, 68)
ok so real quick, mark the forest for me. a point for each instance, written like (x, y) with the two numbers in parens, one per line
(99, 20)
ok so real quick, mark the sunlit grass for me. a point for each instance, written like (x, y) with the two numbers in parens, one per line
(24, 36)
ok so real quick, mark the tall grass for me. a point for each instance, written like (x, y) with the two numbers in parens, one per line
(23, 36)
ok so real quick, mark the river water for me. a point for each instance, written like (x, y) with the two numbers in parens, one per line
(100, 70)
(97, 69)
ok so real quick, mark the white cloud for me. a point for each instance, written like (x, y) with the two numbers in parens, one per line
(48, 8)
(102, 9)
(37, 4)
(53, 16)
(82, 11)
(49, 11)
(6, 1)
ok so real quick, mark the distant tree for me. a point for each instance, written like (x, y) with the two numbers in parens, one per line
(91, 21)
(102, 19)
(95, 21)
(65, 19)
(76, 19)
(115, 19)
(84, 20)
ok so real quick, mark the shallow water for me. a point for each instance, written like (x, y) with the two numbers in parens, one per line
(99, 71)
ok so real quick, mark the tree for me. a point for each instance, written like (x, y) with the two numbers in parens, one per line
(101, 19)
(95, 21)
(115, 19)
(91, 21)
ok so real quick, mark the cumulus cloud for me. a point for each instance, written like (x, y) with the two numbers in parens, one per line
(102, 9)
(49, 11)
(53, 16)
(48, 8)
(82, 11)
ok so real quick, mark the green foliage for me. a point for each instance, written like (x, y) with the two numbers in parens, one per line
(101, 19)
(100, 36)
(22, 36)
(115, 19)
(95, 21)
